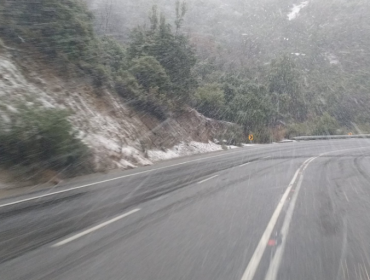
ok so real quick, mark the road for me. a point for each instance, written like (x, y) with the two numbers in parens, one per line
(282, 211)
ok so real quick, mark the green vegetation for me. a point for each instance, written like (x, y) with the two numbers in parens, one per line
(62, 30)
(41, 137)
(244, 63)
(322, 125)
(314, 64)
(210, 98)
(171, 49)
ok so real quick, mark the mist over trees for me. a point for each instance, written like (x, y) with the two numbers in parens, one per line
(312, 65)
(240, 61)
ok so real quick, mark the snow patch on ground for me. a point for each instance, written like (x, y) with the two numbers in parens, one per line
(116, 135)
(287, 141)
(112, 138)
(183, 149)
(232, 147)
(298, 54)
(248, 145)
(333, 59)
(296, 9)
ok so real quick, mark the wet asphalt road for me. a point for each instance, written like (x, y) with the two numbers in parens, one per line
(282, 211)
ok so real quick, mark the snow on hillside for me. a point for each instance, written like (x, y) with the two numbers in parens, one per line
(296, 9)
(183, 149)
(117, 136)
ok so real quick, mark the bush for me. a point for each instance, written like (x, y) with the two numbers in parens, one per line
(249, 110)
(233, 136)
(150, 74)
(127, 86)
(171, 49)
(263, 135)
(40, 137)
(299, 129)
(53, 26)
(325, 125)
(99, 74)
(150, 101)
(210, 100)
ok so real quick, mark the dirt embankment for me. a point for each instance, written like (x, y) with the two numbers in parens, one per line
(118, 136)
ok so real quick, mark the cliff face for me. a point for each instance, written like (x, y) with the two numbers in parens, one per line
(118, 136)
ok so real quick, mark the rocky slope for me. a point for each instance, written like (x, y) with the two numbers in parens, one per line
(118, 136)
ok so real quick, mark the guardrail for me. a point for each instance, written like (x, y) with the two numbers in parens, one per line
(327, 137)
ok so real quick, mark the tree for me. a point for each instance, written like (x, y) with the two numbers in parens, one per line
(56, 27)
(180, 13)
(113, 56)
(210, 100)
(325, 125)
(106, 13)
(62, 32)
(150, 74)
(172, 50)
(251, 108)
(284, 80)
(40, 136)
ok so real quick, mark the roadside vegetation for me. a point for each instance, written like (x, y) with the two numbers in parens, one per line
(35, 139)
(160, 68)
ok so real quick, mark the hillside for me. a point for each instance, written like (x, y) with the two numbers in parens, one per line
(117, 136)
(67, 111)
(328, 41)
(97, 85)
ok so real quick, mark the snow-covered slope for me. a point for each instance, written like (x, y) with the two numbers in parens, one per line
(296, 9)
(118, 136)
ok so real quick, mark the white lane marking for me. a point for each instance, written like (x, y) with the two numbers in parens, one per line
(205, 180)
(76, 236)
(109, 180)
(117, 178)
(276, 260)
(256, 258)
(250, 162)
(257, 255)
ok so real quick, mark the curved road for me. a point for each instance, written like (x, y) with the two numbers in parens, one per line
(282, 211)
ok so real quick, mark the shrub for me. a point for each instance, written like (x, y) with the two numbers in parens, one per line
(40, 137)
(233, 136)
(127, 86)
(325, 125)
(150, 74)
(299, 129)
(55, 27)
(262, 135)
(150, 101)
(210, 100)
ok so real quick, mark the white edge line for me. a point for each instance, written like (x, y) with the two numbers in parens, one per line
(78, 235)
(205, 180)
(257, 255)
(244, 164)
(276, 260)
(129, 175)
(105, 181)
